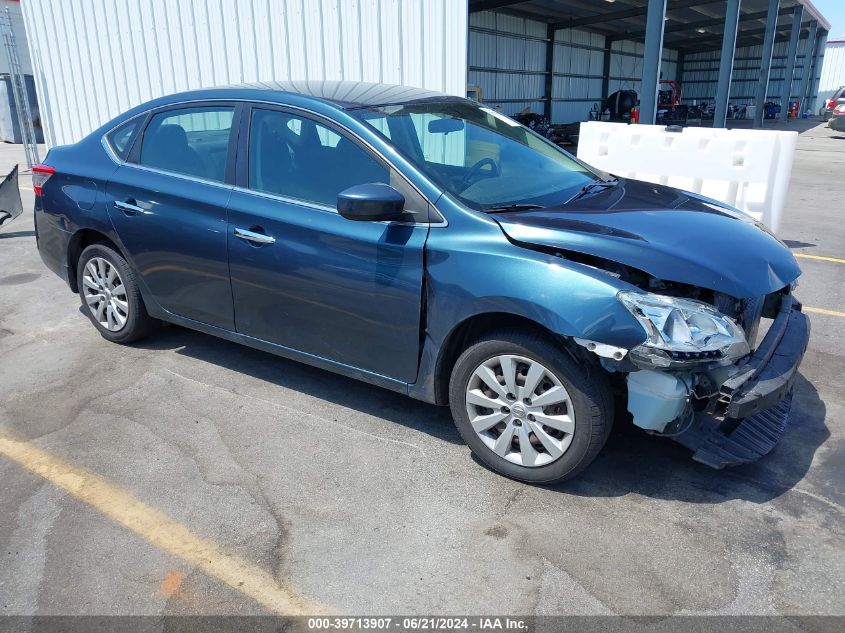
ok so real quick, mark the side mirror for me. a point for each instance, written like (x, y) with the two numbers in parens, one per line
(373, 201)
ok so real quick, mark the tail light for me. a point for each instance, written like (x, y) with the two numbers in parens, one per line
(840, 109)
(40, 175)
(831, 104)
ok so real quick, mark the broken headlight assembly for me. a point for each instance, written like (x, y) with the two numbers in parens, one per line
(682, 332)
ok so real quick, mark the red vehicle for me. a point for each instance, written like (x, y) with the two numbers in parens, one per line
(670, 110)
(669, 95)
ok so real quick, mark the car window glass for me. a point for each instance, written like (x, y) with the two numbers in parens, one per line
(382, 125)
(191, 141)
(120, 139)
(482, 157)
(296, 157)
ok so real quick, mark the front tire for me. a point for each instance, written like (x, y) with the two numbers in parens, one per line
(528, 409)
(110, 295)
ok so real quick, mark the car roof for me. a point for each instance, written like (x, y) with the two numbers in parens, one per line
(343, 94)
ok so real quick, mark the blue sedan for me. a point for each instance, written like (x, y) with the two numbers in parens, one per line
(430, 245)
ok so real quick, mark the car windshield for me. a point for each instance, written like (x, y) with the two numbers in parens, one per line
(486, 160)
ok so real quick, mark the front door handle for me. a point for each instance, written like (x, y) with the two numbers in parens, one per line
(127, 207)
(257, 238)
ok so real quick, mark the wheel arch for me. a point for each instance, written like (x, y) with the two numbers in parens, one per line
(78, 243)
(474, 328)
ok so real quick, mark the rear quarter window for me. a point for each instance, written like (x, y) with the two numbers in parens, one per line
(120, 139)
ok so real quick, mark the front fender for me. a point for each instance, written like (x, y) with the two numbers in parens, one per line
(471, 273)
(566, 298)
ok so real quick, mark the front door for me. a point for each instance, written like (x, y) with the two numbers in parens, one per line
(168, 206)
(303, 276)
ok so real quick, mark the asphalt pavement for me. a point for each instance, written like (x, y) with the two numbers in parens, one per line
(187, 475)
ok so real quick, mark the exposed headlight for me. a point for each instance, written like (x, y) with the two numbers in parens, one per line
(682, 332)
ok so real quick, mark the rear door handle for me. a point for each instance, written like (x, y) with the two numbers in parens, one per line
(127, 207)
(257, 238)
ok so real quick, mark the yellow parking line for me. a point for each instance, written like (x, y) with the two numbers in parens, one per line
(835, 260)
(824, 311)
(158, 529)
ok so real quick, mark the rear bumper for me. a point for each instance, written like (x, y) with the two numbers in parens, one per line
(751, 413)
(53, 243)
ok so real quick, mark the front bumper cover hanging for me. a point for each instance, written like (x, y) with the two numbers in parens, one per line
(752, 410)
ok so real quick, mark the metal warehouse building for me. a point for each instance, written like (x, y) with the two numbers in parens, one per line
(557, 57)
(833, 70)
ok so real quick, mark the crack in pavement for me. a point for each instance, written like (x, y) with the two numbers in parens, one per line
(301, 414)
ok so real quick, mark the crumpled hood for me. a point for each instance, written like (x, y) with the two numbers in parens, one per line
(666, 233)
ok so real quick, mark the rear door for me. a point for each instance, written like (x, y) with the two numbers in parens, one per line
(303, 276)
(168, 205)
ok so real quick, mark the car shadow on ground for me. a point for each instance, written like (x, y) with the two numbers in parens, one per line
(631, 462)
(798, 244)
(6, 236)
(635, 462)
(319, 383)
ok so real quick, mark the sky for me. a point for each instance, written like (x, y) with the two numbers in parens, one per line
(834, 11)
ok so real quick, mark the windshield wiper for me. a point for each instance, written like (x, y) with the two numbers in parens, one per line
(596, 185)
(512, 207)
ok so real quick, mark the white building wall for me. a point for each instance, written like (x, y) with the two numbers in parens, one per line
(93, 60)
(833, 70)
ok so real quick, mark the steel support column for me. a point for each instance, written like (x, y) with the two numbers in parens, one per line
(726, 63)
(652, 55)
(605, 74)
(550, 71)
(807, 66)
(766, 62)
(679, 67)
(812, 93)
(791, 55)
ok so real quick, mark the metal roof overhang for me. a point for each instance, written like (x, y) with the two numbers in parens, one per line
(691, 25)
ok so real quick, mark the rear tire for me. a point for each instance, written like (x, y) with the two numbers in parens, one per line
(110, 295)
(543, 434)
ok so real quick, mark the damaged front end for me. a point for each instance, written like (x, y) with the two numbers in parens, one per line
(700, 278)
(699, 379)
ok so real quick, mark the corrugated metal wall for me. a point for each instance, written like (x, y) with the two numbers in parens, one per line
(507, 58)
(833, 70)
(701, 73)
(95, 59)
(578, 66)
(626, 65)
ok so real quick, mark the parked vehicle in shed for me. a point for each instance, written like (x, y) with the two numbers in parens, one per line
(837, 118)
(830, 105)
(433, 246)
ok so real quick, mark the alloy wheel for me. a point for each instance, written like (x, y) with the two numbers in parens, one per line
(105, 294)
(520, 410)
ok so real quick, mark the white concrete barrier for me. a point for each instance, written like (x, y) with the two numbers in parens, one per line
(748, 169)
